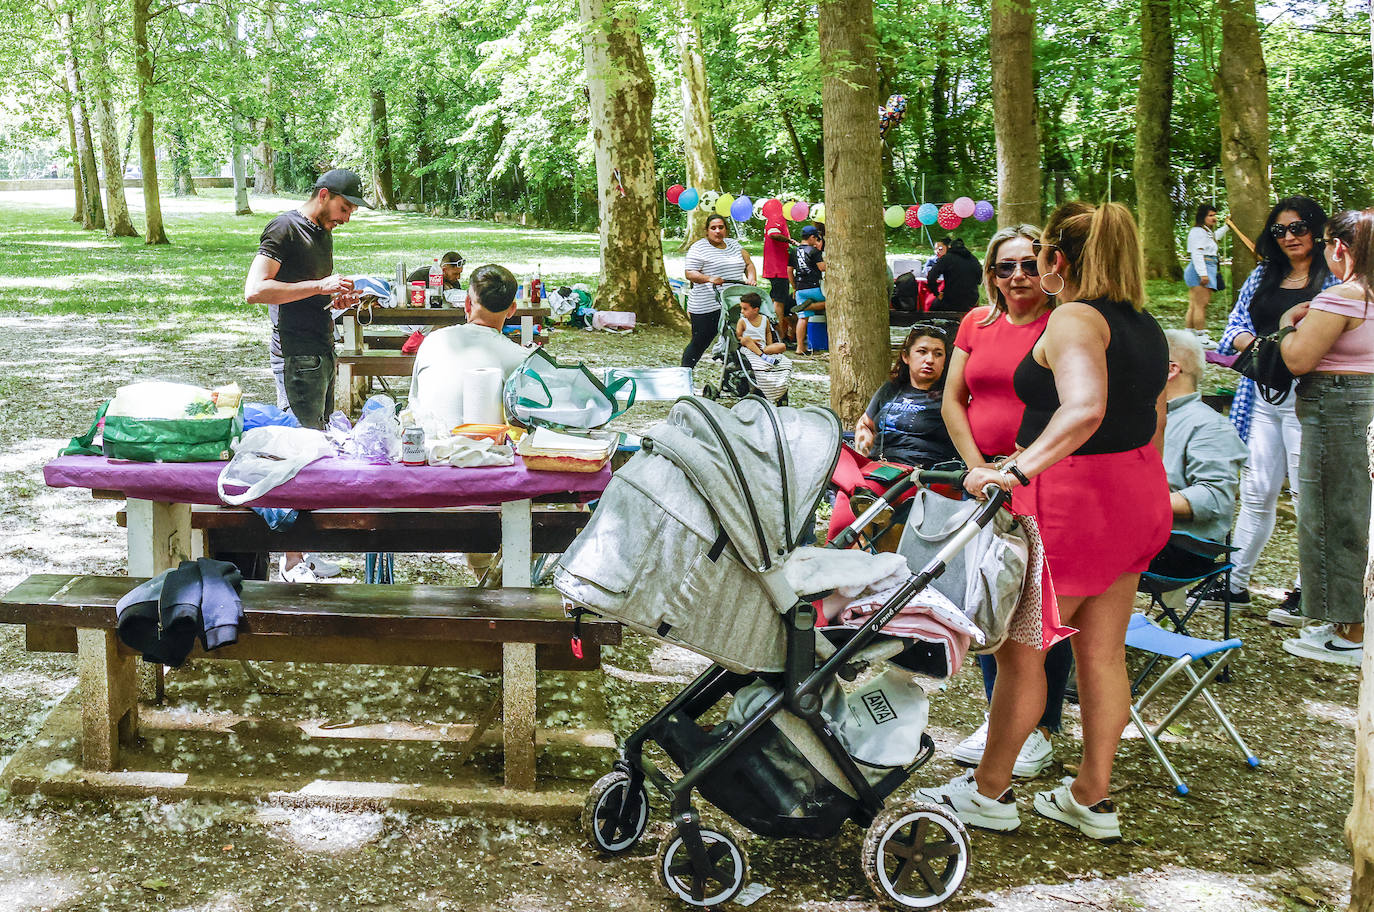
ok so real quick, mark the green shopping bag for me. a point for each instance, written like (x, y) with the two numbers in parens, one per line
(205, 436)
(543, 391)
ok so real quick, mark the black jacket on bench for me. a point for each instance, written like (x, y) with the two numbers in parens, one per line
(162, 617)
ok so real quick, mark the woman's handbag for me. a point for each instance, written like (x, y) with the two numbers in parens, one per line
(1263, 363)
(543, 391)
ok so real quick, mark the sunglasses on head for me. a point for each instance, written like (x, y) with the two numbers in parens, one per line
(1297, 226)
(1005, 269)
(460, 262)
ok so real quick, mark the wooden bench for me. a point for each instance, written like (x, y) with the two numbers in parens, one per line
(429, 531)
(429, 626)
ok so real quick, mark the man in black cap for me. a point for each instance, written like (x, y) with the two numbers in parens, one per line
(293, 274)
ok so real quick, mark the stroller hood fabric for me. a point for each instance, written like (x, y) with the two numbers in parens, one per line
(740, 457)
(689, 540)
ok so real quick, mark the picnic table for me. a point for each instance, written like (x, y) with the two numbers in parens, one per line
(524, 624)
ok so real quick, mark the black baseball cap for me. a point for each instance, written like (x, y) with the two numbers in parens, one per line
(810, 231)
(346, 183)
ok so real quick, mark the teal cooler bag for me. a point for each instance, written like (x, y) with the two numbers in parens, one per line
(161, 422)
(543, 392)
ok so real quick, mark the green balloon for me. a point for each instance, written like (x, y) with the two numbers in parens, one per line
(894, 217)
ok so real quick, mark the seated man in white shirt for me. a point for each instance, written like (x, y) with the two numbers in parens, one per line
(446, 355)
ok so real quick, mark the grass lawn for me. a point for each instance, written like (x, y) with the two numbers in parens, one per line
(55, 266)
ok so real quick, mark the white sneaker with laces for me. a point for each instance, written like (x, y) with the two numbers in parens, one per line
(1099, 821)
(1317, 632)
(1282, 617)
(1335, 649)
(300, 573)
(969, 751)
(961, 796)
(1036, 754)
(322, 568)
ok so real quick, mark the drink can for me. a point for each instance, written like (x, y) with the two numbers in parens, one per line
(413, 446)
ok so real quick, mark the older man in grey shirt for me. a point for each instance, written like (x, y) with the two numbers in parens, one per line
(1202, 452)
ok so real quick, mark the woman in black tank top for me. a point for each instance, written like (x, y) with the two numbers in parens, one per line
(1089, 472)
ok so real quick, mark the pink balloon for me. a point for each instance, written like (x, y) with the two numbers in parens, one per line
(963, 207)
(800, 211)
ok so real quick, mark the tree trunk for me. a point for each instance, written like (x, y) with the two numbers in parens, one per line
(797, 147)
(265, 180)
(94, 212)
(1154, 101)
(147, 154)
(1014, 113)
(79, 206)
(1359, 825)
(1242, 85)
(703, 168)
(621, 92)
(182, 182)
(381, 146)
(120, 225)
(237, 154)
(856, 274)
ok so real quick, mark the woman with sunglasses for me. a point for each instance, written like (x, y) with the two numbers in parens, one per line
(1291, 272)
(1329, 345)
(983, 413)
(712, 262)
(902, 422)
(1093, 478)
(1203, 275)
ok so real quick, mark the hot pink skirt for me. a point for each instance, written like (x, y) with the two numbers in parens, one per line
(1100, 516)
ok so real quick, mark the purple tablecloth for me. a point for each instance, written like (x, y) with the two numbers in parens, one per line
(1223, 360)
(329, 483)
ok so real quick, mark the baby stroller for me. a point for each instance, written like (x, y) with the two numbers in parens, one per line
(711, 572)
(744, 373)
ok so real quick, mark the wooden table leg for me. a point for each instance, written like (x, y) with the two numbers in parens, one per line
(518, 685)
(352, 333)
(109, 697)
(158, 537)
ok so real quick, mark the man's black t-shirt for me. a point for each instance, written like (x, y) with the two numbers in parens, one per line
(306, 252)
(804, 261)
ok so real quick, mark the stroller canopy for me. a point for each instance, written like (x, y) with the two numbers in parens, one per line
(761, 468)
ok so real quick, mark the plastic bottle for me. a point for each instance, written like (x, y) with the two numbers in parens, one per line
(436, 284)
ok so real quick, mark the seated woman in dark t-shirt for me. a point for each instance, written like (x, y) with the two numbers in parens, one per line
(903, 422)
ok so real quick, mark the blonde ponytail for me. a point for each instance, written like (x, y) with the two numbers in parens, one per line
(1112, 265)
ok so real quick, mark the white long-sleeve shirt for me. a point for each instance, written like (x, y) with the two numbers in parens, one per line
(1203, 243)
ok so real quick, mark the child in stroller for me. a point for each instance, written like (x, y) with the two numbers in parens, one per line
(746, 371)
(787, 760)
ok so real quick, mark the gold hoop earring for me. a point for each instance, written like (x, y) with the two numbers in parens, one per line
(1052, 275)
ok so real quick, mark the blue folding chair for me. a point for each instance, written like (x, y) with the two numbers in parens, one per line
(1147, 636)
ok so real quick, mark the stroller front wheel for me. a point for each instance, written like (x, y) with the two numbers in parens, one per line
(729, 869)
(614, 817)
(915, 855)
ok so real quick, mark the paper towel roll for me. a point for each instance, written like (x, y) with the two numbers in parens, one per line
(482, 396)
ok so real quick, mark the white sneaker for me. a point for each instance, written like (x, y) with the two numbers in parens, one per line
(1099, 821)
(1335, 649)
(322, 568)
(1036, 754)
(969, 752)
(300, 573)
(961, 796)
(1282, 617)
(1317, 632)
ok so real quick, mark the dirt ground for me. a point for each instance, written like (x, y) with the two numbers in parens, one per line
(1266, 839)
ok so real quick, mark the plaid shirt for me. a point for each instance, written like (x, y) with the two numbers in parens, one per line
(1241, 322)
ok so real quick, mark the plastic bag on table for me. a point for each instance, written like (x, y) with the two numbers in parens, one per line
(260, 414)
(376, 438)
(266, 457)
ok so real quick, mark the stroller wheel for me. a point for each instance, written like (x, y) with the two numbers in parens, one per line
(915, 855)
(710, 392)
(602, 821)
(728, 875)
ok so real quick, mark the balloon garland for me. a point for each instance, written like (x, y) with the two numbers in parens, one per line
(742, 208)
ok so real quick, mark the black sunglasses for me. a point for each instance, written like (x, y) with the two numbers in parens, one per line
(1297, 226)
(1005, 269)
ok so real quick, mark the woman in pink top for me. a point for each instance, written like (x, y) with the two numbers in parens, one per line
(982, 413)
(1329, 344)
